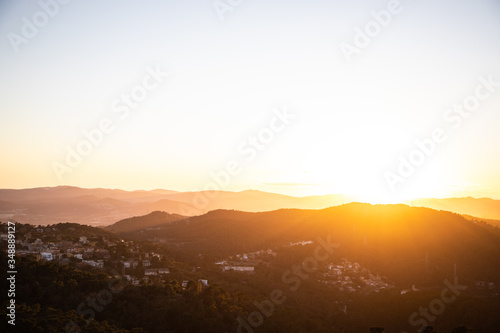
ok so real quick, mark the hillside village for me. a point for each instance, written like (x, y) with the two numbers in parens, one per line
(341, 275)
(85, 247)
(65, 244)
(93, 248)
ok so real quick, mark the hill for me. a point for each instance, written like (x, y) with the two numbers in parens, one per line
(409, 245)
(143, 222)
(101, 207)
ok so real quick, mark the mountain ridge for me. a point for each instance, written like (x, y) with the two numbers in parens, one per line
(411, 245)
(100, 206)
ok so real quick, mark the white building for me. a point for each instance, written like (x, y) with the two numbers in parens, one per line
(239, 268)
(90, 262)
(163, 270)
(47, 256)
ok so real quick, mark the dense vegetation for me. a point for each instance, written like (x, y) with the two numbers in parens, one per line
(409, 246)
(44, 287)
(49, 296)
(143, 222)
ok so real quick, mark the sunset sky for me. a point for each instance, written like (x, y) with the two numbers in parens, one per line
(273, 69)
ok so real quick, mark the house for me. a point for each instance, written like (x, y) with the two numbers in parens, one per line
(56, 255)
(150, 271)
(83, 240)
(146, 263)
(239, 268)
(351, 289)
(301, 243)
(201, 284)
(90, 263)
(130, 264)
(163, 270)
(47, 256)
(100, 264)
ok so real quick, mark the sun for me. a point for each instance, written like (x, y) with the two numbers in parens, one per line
(354, 161)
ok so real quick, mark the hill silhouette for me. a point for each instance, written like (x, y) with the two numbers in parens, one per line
(410, 245)
(101, 207)
(143, 222)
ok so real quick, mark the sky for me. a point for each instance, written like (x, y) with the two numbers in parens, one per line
(381, 100)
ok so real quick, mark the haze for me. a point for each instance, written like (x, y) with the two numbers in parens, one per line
(349, 123)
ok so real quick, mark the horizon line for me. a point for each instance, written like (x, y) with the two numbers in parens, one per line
(245, 190)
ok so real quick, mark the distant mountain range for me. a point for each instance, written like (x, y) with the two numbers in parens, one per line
(484, 208)
(101, 207)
